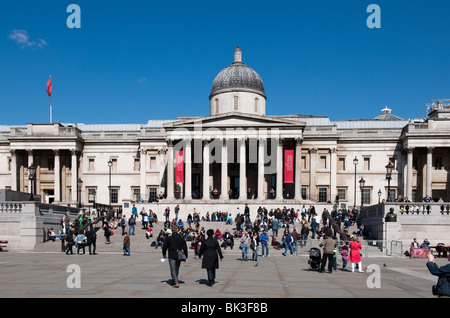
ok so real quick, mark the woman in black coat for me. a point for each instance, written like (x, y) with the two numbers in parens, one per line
(210, 250)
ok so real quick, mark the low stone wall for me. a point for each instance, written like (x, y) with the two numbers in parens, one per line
(24, 223)
(420, 220)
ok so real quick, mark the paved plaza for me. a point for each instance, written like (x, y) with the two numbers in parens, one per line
(112, 275)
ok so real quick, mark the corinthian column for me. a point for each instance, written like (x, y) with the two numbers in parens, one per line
(242, 171)
(170, 171)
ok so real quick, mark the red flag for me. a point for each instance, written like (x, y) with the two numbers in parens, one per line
(49, 86)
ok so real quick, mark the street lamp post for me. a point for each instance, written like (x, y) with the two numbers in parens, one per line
(389, 169)
(362, 182)
(110, 165)
(355, 162)
(80, 183)
(31, 177)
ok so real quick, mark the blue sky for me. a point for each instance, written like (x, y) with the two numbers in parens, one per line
(132, 61)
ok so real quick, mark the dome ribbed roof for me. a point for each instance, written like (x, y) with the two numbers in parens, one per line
(238, 77)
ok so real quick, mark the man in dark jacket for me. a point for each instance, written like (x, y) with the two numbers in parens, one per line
(442, 289)
(174, 243)
(91, 240)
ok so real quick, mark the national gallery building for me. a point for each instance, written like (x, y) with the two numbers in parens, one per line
(235, 155)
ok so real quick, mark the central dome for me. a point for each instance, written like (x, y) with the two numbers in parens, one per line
(237, 77)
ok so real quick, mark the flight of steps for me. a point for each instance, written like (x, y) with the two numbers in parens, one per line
(140, 244)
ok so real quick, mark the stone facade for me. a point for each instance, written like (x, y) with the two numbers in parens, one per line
(234, 148)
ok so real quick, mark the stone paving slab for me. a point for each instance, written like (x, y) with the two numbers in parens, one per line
(111, 275)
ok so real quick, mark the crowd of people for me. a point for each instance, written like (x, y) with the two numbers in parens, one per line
(283, 229)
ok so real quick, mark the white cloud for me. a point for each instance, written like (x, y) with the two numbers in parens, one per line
(22, 39)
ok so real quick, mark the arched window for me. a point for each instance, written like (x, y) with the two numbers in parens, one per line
(236, 103)
(256, 105)
(216, 106)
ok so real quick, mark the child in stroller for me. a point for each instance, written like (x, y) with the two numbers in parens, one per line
(314, 258)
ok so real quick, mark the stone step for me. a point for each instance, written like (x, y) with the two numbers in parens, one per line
(140, 244)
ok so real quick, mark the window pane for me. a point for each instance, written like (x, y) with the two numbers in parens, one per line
(322, 194)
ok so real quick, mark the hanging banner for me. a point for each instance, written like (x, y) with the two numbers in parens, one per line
(179, 166)
(289, 166)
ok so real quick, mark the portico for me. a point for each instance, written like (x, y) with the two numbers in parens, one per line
(234, 156)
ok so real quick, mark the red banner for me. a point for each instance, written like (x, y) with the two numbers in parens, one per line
(179, 166)
(289, 166)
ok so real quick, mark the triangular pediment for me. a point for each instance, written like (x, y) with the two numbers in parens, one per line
(234, 120)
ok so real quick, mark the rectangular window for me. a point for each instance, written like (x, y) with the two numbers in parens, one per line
(323, 162)
(304, 193)
(91, 164)
(366, 164)
(341, 164)
(393, 195)
(91, 195)
(341, 194)
(153, 163)
(366, 196)
(152, 194)
(137, 164)
(137, 194)
(114, 164)
(9, 164)
(304, 162)
(322, 194)
(114, 195)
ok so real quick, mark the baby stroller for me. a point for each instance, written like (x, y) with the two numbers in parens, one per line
(314, 259)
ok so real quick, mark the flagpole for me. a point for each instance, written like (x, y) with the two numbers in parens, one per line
(50, 109)
(51, 119)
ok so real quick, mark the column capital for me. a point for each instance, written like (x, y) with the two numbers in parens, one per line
(169, 142)
(143, 151)
(13, 152)
(333, 150)
(298, 141)
(30, 152)
(313, 150)
(409, 149)
(56, 152)
(430, 149)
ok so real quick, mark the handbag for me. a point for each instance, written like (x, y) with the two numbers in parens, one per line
(181, 255)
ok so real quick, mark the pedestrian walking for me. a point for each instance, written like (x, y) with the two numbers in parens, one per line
(211, 252)
(123, 224)
(442, 288)
(355, 255)
(131, 225)
(126, 245)
(264, 239)
(174, 244)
